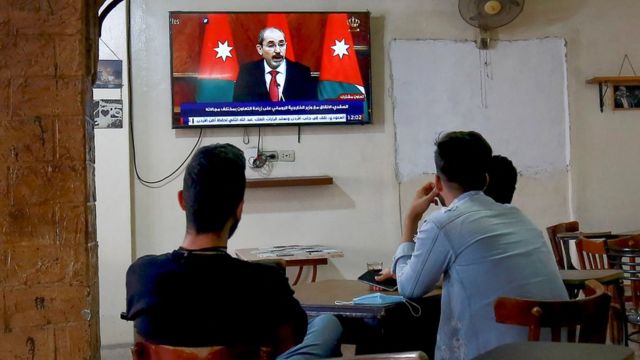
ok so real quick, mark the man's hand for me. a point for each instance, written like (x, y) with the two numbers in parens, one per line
(382, 276)
(426, 195)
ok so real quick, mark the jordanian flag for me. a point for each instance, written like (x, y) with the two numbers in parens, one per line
(280, 21)
(218, 62)
(339, 72)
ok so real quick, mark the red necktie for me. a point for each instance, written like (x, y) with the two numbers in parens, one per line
(274, 93)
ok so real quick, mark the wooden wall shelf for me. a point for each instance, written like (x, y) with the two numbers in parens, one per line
(614, 80)
(289, 181)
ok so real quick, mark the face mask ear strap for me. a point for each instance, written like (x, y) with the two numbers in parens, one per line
(338, 302)
(414, 308)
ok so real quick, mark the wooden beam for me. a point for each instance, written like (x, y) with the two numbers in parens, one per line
(289, 181)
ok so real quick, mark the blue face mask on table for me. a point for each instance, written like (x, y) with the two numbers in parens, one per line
(382, 299)
(377, 299)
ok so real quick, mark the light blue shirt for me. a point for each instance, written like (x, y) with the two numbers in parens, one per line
(485, 250)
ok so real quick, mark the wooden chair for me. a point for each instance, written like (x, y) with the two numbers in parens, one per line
(590, 314)
(592, 255)
(558, 247)
(143, 350)
(624, 253)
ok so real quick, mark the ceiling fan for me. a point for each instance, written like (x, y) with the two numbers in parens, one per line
(487, 15)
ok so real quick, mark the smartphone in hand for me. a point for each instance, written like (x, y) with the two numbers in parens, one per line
(369, 277)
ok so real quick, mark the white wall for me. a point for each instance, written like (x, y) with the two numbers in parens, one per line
(463, 87)
(360, 213)
(113, 191)
(487, 91)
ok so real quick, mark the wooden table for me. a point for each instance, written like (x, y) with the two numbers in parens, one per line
(557, 350)
(320, 298)
(299, 259)
(588, 235)
(577, 278)
(373, 328)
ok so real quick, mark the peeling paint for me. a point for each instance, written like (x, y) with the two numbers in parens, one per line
(14, 152)
(86, 314)
(31, 347)
(39, 301)
(38, 121)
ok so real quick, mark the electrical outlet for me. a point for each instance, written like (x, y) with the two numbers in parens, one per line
(270, 155)
(287, 155)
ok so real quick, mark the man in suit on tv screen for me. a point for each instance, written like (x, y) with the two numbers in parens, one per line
(274, 78)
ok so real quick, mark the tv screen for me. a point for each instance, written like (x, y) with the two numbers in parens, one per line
(261, 69)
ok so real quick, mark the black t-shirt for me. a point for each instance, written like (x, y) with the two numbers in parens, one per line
(196, 299)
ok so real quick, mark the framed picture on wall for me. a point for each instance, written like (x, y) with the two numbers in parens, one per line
(626, 97)
(109, 75)
(107, 114)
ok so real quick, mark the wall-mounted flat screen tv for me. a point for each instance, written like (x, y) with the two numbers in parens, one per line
(261, 69)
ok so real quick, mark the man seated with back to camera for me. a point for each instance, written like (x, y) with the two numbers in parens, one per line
(500, 187)
(502, 179)
(484, 250)
(200, 296)
(274, 77)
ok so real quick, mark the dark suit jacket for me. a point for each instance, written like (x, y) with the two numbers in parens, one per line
(251, 84)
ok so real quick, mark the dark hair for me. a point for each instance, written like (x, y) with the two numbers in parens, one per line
(502, 179)
(462, 157)
(261, 33)
(214, 184)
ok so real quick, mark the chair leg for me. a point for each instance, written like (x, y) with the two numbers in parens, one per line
(617, 324)
(615, 327)
(622, 316)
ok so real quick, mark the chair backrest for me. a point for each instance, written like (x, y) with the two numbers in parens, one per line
(556, 245)
(591, 254)
(589, 314)
(143, 350)
(624, 253)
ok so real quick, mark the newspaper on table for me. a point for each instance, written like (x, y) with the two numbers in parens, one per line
(295, 250)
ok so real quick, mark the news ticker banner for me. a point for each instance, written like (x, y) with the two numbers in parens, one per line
(272, 113)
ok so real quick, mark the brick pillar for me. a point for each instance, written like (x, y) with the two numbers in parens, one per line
(48, 249)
